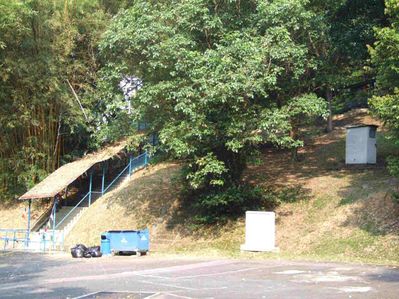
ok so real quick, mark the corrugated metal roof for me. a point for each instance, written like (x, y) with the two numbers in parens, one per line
(66, 174)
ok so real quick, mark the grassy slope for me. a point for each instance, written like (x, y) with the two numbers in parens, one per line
(15, 215)
(341, 213)
(328, 212)
(146, 200)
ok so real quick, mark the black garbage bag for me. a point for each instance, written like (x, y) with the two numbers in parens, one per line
(81, 246)
(95, 251)
(77, 252)
(81, 250)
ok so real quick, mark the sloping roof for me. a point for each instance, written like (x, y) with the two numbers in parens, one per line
(66, 174)
(360, 126)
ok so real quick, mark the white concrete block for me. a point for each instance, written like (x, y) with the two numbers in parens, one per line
(260, 231)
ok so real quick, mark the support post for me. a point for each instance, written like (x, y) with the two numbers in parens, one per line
(54, 212)
(28, 231)
(90, 186)
(66, 195)
(145, 158)
(103, 179)
(130, 165)
(5, 241)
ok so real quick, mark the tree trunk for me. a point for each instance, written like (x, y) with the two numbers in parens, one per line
(329, 120)
(294, 136)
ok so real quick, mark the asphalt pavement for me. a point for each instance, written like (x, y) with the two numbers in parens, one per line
(28, 275)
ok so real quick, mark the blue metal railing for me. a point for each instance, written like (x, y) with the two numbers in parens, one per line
(133, 165)
(74, 208)
(117, 177)
(23, 235)
(15, 236)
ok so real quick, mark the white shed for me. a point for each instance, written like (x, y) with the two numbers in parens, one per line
(361, 147)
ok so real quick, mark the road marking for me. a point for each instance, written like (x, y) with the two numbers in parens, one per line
(217, 273)
(117, 292)
(177, 296)
(355, 289)
(153, 295)
(328, 277)
(168, 285)
(86, 295)
(290, 272)
(15, 286)
(137, 273)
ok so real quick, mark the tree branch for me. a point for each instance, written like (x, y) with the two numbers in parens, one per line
(77, 99)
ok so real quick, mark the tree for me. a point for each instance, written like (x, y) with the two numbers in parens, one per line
(342, 31)
(219, 78)
(385, 58)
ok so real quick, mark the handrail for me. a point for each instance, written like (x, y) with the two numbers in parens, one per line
(14, 238)
(66, 216)
(106, 189)
(117, 177)
(13, 230)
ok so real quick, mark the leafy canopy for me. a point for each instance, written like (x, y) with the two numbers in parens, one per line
(385, 58)
(219, 77)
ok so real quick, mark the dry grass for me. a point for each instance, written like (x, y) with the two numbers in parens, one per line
(342, 213)
(148, 199)
(336, 213)
(15, 216)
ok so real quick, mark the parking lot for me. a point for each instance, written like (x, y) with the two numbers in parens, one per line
(59, 276)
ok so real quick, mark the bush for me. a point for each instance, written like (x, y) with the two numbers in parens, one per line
(219, 205)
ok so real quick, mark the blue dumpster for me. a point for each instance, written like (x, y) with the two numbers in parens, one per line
(128, 240)
(105, 244)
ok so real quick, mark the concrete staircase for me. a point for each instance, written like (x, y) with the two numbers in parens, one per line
(42, 240)
(67, 225)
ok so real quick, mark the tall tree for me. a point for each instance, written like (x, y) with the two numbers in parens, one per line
(343, 29)
(218, 78)
(385, 58)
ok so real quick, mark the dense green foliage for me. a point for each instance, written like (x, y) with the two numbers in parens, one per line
(385, 57)
(44, 47)
(219, 79)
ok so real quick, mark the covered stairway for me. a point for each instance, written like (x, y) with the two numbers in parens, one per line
(72, 188)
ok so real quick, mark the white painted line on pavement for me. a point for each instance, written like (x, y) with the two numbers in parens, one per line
(290, 272)
(15, 286)
(355, 289)
(217, 273)
(168, 285)
(153, 295)
(178, 296)
(138, 272)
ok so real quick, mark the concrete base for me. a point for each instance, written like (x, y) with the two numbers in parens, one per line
(245, 247)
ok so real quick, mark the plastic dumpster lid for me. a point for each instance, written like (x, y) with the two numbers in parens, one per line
(122, 231)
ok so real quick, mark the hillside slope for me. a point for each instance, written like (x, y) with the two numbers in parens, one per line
(147, 199)
(327, 210)
(16, 215)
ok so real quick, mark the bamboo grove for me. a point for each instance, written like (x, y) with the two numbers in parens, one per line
(47, 54)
